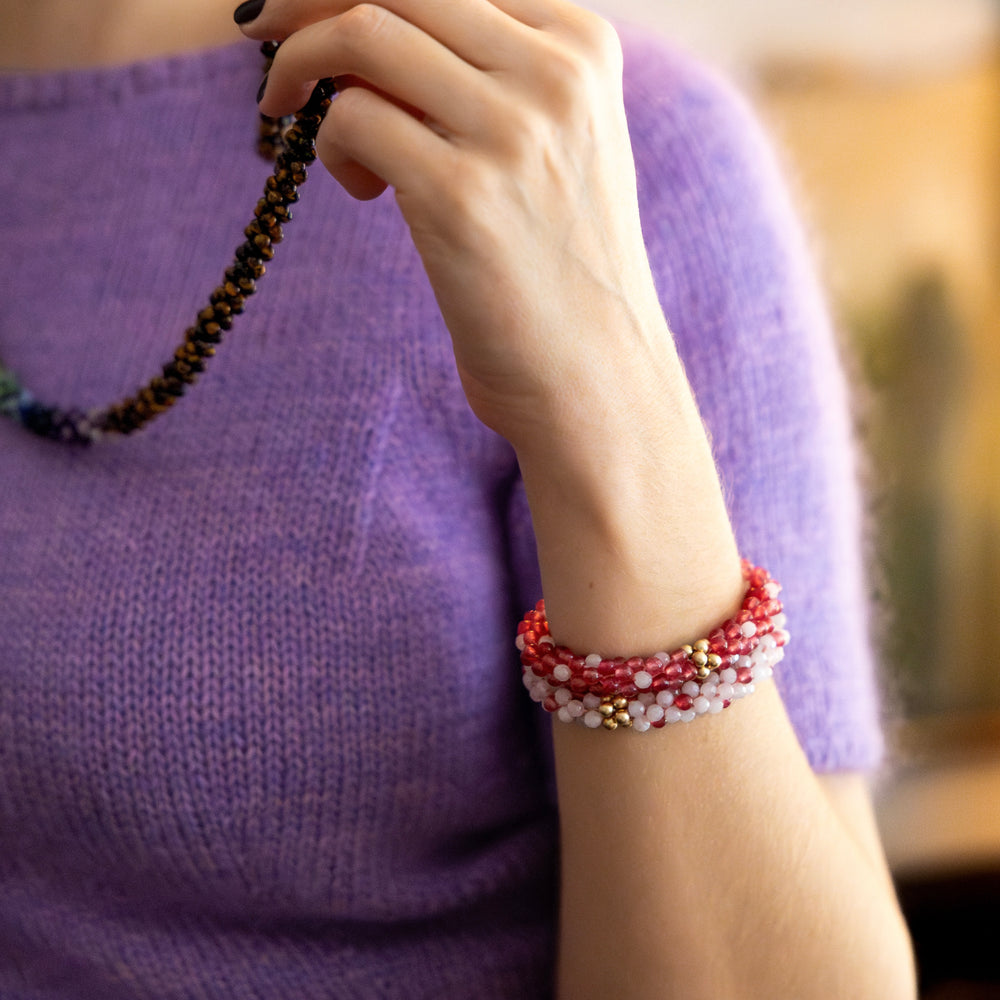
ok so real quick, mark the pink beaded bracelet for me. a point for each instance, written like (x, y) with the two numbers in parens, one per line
(643, 692)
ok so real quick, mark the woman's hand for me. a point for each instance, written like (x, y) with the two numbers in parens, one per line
(500, 128)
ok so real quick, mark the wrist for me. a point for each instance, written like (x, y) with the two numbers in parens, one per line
(634, 539)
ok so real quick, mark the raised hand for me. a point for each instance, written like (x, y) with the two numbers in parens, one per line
(501, 130)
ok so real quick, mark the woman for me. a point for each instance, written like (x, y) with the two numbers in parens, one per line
(261, 727)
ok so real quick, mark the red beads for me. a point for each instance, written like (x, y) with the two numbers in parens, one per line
(694, 679)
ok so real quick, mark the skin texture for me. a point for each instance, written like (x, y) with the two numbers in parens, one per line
(499, 128)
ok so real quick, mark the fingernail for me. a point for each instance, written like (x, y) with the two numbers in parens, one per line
(263, 87)
(248, 11)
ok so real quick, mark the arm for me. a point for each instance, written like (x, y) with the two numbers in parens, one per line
(500, 128)
(708, 861)
(763, 886)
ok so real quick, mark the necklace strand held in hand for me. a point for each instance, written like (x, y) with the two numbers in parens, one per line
(293, 150)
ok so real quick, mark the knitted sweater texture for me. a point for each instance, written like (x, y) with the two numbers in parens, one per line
(262, 733)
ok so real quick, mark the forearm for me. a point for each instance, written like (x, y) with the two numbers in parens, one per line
(706, 862)
(701, 860)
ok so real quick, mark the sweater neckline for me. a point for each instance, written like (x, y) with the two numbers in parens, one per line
(59, 89)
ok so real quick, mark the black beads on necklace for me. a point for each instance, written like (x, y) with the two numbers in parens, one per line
(291, 144)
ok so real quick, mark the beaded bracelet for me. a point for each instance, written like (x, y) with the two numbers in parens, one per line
(647, 692)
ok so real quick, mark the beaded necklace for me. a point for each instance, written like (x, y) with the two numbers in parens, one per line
(291, 144)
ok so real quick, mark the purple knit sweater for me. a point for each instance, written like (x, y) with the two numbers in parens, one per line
(262, 733)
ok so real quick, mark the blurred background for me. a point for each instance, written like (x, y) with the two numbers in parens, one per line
(887, 116)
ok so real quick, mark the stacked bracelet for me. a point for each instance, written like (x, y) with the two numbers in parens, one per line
(643, 692)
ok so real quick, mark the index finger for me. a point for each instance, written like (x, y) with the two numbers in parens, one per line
(277, 19)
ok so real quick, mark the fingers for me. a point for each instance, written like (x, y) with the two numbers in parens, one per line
(361, 139)
(389, 54)
(265, 19)
(487, 34)
(498, 80)
(474, 30)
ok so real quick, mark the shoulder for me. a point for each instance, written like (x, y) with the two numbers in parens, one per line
(696, 137)
(720, 224)
(669, 90)
(732, 260)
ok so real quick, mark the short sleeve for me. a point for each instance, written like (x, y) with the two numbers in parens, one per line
(736, 282)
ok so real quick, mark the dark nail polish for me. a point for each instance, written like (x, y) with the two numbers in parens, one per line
(248, 11)
(263, 87)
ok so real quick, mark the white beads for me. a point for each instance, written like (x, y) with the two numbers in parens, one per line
(642, 680)
(654, 713)
(647, 710)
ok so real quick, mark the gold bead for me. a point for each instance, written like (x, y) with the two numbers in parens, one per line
(703, 671)
(610, 725)
(623, 719)
(701, 646)
(699, 659)
(606, 709)
(620, 704)
(714, 661)
(687, 650)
